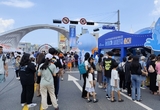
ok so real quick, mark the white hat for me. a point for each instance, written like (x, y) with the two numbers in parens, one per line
(143, 57)
(31, 56)
(49, 56)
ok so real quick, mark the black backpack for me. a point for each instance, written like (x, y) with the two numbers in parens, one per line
(3, 58)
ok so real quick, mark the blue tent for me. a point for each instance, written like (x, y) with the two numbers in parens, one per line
(122, 40)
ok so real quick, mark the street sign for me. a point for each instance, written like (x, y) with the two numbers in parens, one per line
(83, 21)
(108, 27)
(65, 20)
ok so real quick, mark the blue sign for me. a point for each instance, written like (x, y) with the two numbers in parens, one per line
(72, 35)
(118, 39)
(108, 27)
(114, 41)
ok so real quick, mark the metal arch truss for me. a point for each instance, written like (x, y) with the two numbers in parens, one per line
(13, 37)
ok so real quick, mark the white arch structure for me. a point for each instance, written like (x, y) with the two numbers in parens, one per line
(13, 37)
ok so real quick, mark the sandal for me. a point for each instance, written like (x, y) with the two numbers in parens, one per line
(121, 100)
(114, 100)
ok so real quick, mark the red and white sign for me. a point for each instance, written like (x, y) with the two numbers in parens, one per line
(65, 20)
(83, 21)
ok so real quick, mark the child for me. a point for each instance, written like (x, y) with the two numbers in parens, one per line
(69, 63)
(89, 85)
(115, 83)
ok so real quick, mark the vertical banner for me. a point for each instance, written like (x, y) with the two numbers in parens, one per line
(72, 35)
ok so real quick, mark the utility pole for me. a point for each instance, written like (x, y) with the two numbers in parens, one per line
(118, 22)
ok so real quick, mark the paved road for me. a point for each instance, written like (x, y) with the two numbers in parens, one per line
(70, 96)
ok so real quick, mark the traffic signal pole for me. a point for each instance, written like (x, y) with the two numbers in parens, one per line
(118, 22)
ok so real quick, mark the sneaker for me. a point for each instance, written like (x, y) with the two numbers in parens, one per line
(31, 105)
(18, 78)
(108, 97)
(100, 86)
(57, 108)
(96, 100)
(23, 104)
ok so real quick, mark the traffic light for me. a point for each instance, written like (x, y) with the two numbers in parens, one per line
(56, 21)
(73, 22)
(97, 29)
(90, 23)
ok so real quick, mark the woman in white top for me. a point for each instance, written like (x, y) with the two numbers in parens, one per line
(47, 70)
(89, 85)
(84, 92)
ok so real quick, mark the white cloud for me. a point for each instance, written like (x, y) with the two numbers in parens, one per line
(156, 10)
(6, 24)
(18, 3)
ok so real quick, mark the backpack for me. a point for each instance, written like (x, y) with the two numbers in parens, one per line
(151, 69)
(82, 68)
(3, 58)
(121, 69)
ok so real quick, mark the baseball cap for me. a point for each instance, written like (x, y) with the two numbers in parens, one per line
(143, 57)
(49, 56)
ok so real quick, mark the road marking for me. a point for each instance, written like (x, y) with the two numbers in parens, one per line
(142, 105)
(25, 107)
(41, 107)
(35, 87)
(71, 78)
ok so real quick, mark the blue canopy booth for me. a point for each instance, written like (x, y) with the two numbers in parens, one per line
(122, 41)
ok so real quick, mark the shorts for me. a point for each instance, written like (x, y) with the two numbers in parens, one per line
(115, 88)
(2, 78)
(158, 78)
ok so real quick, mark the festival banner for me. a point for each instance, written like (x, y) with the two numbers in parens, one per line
(72, 35)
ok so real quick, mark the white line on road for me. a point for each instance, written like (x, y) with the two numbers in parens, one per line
(142, 105)
(71, 78)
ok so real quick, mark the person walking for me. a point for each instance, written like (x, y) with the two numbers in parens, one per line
(3, 66)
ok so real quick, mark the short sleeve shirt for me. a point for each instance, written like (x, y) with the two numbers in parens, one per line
(143, 64)
(114, 76)
(46, 75)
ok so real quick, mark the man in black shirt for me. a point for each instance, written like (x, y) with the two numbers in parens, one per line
(108, 66)
(59, 66)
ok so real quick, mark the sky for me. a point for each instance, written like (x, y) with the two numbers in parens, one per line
(134, 15)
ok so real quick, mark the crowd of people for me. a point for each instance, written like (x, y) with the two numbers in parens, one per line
(44, 69)
(129, 75)
(47, 69)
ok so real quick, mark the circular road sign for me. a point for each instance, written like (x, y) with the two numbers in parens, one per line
(83, 21)
(65, 20)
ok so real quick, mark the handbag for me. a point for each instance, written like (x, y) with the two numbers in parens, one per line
(98, 67)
